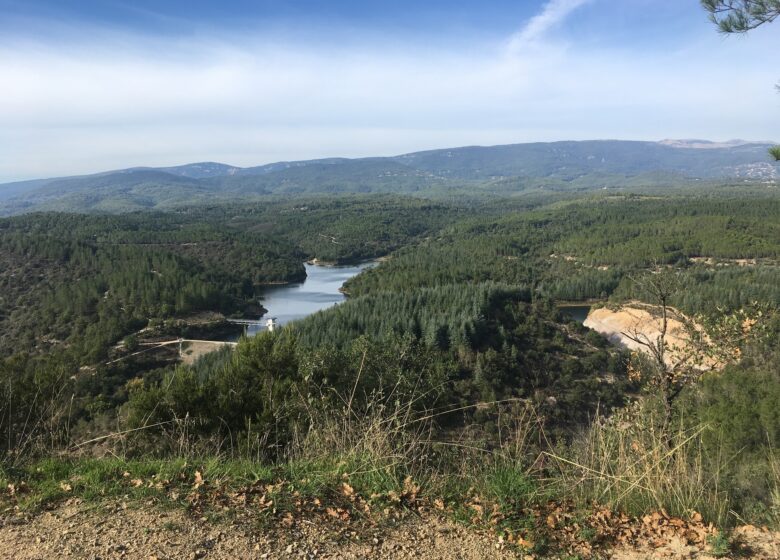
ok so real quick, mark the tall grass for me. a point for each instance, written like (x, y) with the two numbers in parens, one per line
(381, 445)
(774, 498)
(35, 412)
(629, 463)
(388, 445)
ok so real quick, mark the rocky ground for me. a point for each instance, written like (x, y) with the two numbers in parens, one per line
(114, 529)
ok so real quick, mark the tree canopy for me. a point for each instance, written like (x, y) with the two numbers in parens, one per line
(740, 16)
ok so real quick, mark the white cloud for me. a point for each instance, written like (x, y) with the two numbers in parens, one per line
(110, 102)
(553, 13)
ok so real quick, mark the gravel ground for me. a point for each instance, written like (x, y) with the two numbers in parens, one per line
(112, 530)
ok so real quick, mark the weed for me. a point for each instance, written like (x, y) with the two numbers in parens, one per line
(719, 544)
(510, 486)
(171, 526)
(587, 534)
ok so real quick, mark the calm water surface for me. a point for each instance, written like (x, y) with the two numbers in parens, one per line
(577, 312)
(319, 291)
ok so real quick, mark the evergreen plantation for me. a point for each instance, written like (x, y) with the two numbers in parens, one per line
(575, 251)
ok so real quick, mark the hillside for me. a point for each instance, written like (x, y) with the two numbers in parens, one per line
(506, 170)
(569, 160)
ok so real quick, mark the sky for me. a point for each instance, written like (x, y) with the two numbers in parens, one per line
(93, 85)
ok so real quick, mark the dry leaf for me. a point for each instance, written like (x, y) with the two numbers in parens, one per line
(410, 489)
(347, 490)
(338, 513)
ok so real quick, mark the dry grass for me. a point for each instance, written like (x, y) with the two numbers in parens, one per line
(629, 464)
(36, 422)
(774, 498)
(383, 445)
(387, 443)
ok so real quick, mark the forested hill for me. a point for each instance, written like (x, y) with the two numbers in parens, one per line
(517, 168)
(569, 160)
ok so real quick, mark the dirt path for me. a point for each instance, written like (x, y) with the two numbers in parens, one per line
(114, 531)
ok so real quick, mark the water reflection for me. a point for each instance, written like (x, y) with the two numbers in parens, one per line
(577, 312)
(319, 291)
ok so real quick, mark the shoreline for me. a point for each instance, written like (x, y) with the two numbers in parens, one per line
(580, 303)
(346, 262)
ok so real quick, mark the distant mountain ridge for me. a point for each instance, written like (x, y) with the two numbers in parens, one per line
(709, 144)
(201, 170)
(565, 165)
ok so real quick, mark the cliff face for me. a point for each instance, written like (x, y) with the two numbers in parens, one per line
(623, 326)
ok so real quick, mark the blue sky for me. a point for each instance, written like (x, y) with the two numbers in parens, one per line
(91, 85)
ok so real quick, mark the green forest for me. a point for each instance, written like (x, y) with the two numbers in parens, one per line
(459, 322)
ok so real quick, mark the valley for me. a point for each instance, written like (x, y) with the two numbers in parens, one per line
(445, 335)
(404, 280)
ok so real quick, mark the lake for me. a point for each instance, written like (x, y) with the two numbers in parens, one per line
(320, 290)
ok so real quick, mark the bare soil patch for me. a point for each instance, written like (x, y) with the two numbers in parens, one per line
(624, 325)
(192, 350)
(115, 530)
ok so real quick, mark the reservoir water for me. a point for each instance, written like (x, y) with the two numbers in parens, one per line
(319, 291)
(577, 312)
